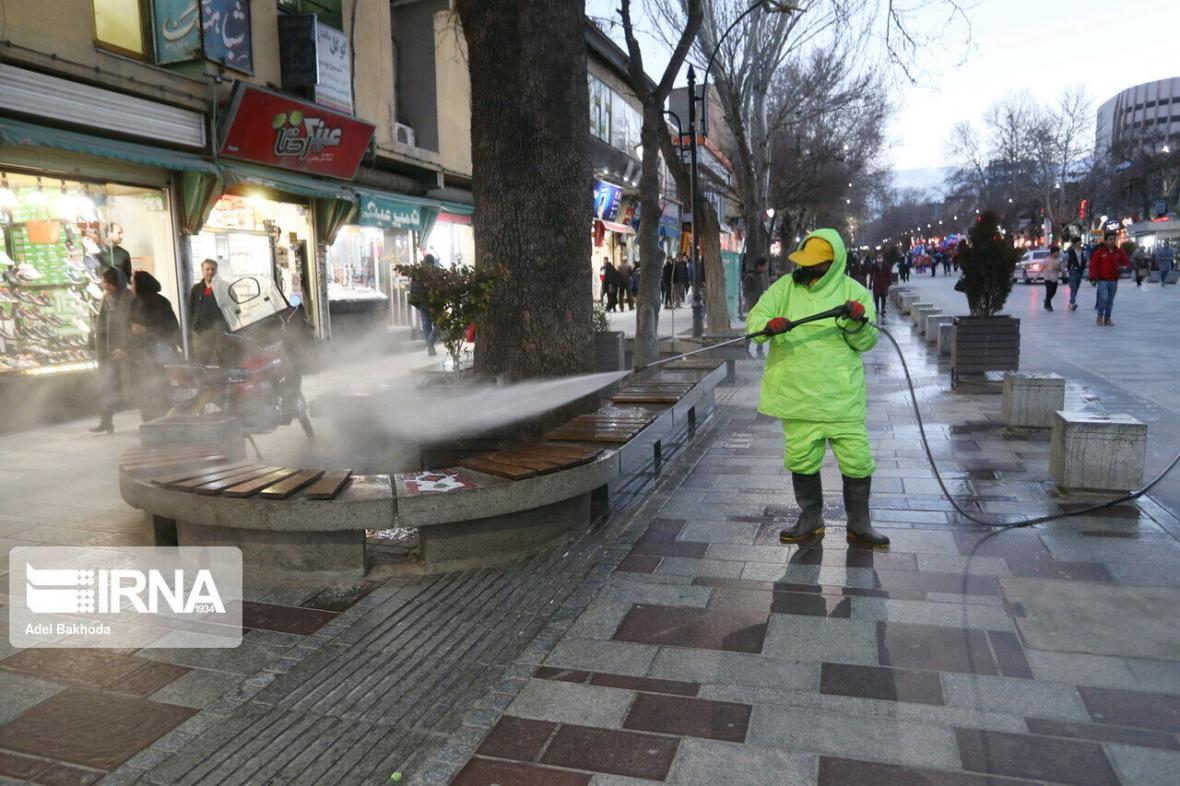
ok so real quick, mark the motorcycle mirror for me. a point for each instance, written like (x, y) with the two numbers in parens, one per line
(244, 290)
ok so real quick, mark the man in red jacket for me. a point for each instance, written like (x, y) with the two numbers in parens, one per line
(1106, 267)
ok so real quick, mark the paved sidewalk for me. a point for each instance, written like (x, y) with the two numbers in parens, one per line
(715, 655)
(678, 642)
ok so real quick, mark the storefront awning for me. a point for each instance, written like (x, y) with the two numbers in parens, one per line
(623, 229)
(237, 174)
(14, 132)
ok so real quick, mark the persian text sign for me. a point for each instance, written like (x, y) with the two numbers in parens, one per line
(225, 26)
(83, 597)
(280, 131)
(177, 30)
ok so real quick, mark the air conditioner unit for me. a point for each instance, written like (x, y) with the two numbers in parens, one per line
(403, 134)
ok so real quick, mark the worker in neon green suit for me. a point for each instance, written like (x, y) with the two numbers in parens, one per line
(815, 382)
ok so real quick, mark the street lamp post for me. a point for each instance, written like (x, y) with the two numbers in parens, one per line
(698, 275)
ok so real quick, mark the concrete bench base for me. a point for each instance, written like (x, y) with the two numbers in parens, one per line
(1031, 398)
(324, 556)
(478, 542)
(221, 430)
(1094, 452)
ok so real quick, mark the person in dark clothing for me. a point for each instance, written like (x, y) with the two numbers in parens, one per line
(754, 283)
(154, 342)
(111, 335)
(680, 281)
(208, 323)
(882, 274)
(113, 254)
(614, 285)
(666, 281)
(417, 300)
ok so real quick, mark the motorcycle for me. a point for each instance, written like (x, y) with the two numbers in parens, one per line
(264, 390)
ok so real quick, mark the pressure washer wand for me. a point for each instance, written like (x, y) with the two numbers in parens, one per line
(838, 311)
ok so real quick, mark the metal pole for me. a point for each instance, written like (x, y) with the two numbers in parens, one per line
(698, 305)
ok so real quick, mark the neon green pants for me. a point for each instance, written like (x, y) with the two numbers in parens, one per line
(806, 441)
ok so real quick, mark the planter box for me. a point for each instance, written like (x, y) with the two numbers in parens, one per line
(609, 354)
(983, 344)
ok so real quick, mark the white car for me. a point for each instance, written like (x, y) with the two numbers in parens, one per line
(1031, 266)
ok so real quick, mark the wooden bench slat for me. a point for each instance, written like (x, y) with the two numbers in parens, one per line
(286, 488)
(563, 451)
(209, 477)
(328, 486)
(220, 485)
(540, 465)
(252, 487)
(498, 469)
(188, 473)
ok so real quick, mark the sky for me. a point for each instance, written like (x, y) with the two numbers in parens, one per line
(1042, 46)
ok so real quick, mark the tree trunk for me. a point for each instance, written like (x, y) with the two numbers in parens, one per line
(647, 308)
(716, 307)
(530, 147)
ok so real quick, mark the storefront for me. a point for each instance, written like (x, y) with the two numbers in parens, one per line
(71, 203)
(288, 215)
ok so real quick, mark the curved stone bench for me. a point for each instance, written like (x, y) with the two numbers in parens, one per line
(464, 517)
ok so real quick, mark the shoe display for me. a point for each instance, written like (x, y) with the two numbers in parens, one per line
(27, 272)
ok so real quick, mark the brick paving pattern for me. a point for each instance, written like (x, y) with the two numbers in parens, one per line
(677, 643)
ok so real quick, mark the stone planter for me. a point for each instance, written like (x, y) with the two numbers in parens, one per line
(983, 344)
(609, 354)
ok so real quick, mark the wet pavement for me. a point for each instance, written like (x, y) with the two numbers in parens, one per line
(677, 643)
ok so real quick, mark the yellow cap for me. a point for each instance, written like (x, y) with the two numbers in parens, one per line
(815, 251)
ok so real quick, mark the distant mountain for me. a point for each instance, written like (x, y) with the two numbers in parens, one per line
(929, 179)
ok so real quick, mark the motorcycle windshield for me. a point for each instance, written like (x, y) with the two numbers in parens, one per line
(248, 299)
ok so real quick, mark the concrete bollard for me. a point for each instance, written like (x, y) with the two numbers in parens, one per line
(1031, 398)
(905, 301)
(896, 293)
(919, 312)
(1095, 452)
(933, 323)
(946, 337)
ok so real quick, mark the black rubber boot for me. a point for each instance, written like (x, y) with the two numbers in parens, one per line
(856, 506)
(809, 493)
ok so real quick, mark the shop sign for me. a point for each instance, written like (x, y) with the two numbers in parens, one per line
(280, 131)
(389, 213)
(1159, 208)
(177, 30)
(607, 200)
(226, 33)
(298, 63)
(334, 88)
(670, 220)
(630, 212)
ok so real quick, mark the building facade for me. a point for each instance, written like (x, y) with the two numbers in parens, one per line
(1150, 111)
(315, 143)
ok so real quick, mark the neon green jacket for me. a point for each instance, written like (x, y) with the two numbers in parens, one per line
(812, 372)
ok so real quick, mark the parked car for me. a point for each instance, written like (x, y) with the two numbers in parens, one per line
(1031, 266)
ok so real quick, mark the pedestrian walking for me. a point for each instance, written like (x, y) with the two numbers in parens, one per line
(207, 321)
(625, 298)
(754, 283)
(419, 294)
(1165, 258)
(154, 344)
(1052, 274)
(635, 282)
(815, 383)
(1075, 268)
(1106, 267)
(903, 268)
(111, 333)
(614, 285)
(1142, 264)
(602, 282)
(881, 278)
(680, 280)
(666, 274)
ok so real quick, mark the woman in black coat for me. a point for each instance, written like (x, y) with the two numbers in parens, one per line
(155, 340)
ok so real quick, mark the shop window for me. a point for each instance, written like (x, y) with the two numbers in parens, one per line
(329, 11)
(55, 237)
(118, 25)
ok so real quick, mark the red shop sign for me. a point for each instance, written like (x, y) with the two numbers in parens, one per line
(280, 131)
